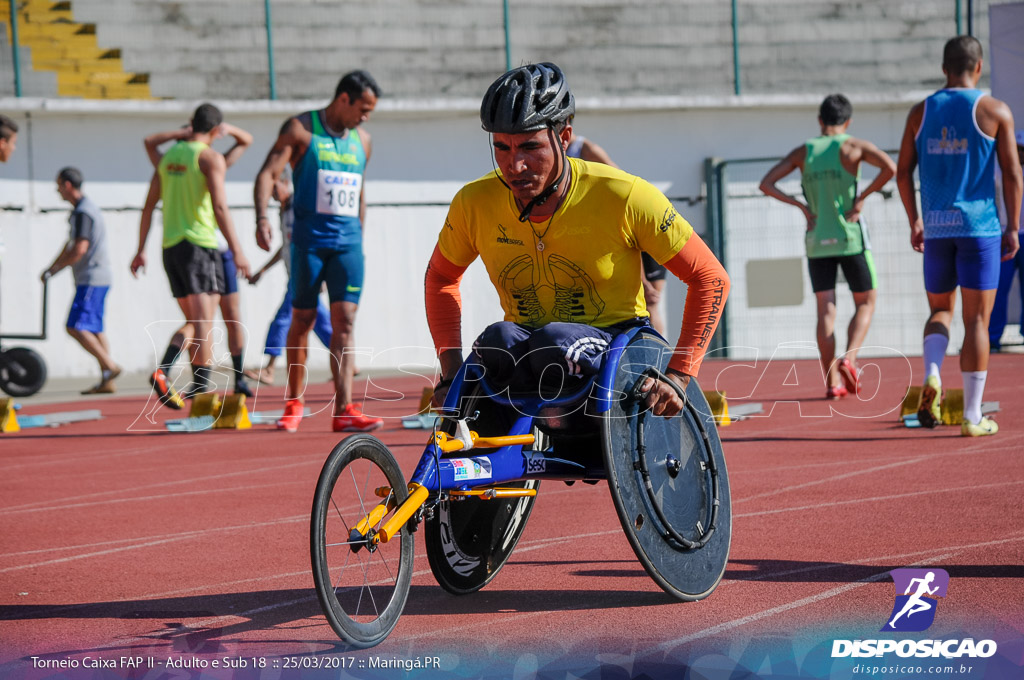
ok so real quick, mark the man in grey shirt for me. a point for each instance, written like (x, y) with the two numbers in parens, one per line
(86, 253)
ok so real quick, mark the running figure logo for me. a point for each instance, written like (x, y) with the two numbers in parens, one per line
(915, 609)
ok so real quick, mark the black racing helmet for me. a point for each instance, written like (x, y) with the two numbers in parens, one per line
(526, 99)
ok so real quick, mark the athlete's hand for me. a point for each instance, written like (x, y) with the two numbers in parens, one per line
(661, 398)
(263, 237)
(917, 235)
(853, 215)
(1011, 244)
(255, 278)
(138, 262)
(811, 221)
(242, 265)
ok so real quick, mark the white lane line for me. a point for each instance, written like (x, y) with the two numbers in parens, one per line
(928, 556)
(156, 497)
(909, 494)
(960, 453)
(48, 504)
(813, 599)
(54, 458)
(834, 478)
(160, 541)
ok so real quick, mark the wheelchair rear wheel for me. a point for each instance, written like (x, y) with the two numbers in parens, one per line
(668, 480)
(362, 589)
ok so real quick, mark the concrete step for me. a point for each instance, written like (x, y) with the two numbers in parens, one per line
(79, 65)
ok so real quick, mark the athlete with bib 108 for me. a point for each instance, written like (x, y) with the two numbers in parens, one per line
(561, 240)
(328, 152)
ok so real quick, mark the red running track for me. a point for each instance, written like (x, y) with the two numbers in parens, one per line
(117, 542)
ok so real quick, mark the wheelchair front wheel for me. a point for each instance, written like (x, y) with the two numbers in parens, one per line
(362, 590)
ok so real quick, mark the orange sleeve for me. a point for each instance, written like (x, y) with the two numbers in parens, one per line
(443, 301)
(707, 289)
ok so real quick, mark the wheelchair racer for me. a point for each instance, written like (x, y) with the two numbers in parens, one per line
(561, 239)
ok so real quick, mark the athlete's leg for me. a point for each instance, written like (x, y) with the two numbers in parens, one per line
(343, 318)
(826, 336)
(860, 323)
(978, 270)
(92, 344)
(199, 310)
(297, 348)
(308, 269)
(561, 354)
(977, 308)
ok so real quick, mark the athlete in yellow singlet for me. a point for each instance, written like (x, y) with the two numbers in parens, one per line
(561, 239)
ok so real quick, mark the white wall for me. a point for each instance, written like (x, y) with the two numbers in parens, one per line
(422, 153)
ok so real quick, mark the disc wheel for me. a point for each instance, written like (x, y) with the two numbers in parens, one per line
(668, 480)
(362, 588)
(469, 540)
(22, 372)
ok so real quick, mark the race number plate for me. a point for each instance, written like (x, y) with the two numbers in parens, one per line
(338, 193)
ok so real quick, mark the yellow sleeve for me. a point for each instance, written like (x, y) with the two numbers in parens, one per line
(653, 223)
(456, 241)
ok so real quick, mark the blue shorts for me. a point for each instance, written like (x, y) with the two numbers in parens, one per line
(340, 269)
(87, 309)
(230, 272)
(966, 261)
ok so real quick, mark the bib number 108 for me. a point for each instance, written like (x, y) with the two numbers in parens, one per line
(338, 193)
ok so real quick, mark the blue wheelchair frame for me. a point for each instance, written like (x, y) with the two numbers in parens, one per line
(510, 463)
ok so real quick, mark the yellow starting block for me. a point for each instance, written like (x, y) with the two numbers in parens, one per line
(951, 409)
(719, 407)
(8, 417)
(233, 414)
(209, 411)
(425, 407)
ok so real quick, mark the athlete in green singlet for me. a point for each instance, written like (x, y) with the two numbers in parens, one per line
(190, 181)
(837, 234)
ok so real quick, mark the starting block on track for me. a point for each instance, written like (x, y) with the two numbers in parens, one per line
(719, 407)
(722, 413)
(9, 421)
(425, 407)
(8, 418)
(951, 408)
(209, 412)
(271, 417)
(420, 421)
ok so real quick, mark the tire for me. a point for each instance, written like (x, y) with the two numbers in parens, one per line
(22, 372)
(362, 592)
(678, 519)
(468, 541)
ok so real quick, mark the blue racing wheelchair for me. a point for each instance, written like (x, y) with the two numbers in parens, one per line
(475, 485)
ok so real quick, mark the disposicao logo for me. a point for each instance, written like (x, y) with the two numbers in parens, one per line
(914, 610)
(917, 591)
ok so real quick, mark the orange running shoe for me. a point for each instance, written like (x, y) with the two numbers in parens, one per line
(837, 392)
(351, 419)
(164, 391)
(289, 422)
(850, 375)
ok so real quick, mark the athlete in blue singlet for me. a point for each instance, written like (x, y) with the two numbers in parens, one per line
(328, 152)
(955, 138)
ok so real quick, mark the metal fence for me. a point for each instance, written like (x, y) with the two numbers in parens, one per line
(248, 49)
(759, 240)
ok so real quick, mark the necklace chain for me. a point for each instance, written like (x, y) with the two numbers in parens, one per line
(540, 237)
